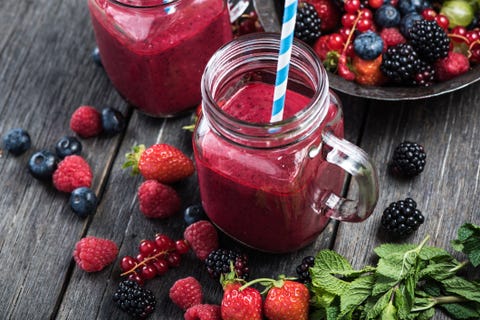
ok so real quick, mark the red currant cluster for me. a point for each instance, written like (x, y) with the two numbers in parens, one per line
(155, 257)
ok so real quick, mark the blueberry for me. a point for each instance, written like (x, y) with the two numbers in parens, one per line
(194, 213)
(387, 16)
(42, 164)
(83, 201)
(67, 146)
(407, 6)
(407, 21)
(368, 45)
(96, 56)
(113, 121)
(16, 141)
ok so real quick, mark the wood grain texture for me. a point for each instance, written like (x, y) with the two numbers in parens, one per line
(47, 73)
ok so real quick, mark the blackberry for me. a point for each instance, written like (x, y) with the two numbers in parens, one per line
(429, 40)
(400, 63)
(307, 24)
(135, 300)
(409, 159)
(303, 269)
(425, 76)
(218, 263)
(402, 218)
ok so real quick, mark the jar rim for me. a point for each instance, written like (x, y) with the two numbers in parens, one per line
(144, 3)
(288, 128)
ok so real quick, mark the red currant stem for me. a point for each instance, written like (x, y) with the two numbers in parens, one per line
(453, 35)
(144, 262)
(470, 47)
(352, 30)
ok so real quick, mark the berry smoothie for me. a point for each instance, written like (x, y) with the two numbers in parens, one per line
(270, 199)
(155, 53)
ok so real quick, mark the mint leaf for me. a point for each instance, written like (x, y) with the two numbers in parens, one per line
(462, 287)
(389, 312)
(322, 298)
(462, 311)
(327, 264)
(383, 284)
(380, 304)
(438, 271)
(468, 242)
(425, 315)
(387, 249)
(360, 290)
(402, 304)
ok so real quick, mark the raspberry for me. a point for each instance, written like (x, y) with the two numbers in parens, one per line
(72, 172)
(86, 121)
(186, 293)
(135, 300)
(392, 37)
(93, 254)
(157, 200)
(451, 66)
(218, 263)
(408, 159)
(402, 217)
(203, 312)
(202, 237)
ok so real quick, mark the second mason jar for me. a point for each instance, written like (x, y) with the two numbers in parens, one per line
(155, 51)
(274, 186)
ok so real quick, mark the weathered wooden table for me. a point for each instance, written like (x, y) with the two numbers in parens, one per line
(47, 72)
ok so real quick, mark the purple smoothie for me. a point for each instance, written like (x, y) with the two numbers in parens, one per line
(263, 197)
(155, 56)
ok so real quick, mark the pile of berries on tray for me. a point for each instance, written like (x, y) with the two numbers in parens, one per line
(392, 42)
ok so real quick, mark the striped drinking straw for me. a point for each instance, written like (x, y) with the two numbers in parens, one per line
(283, 64)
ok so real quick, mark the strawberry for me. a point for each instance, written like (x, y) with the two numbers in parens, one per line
(202, 238)
(368, 71)
(186, 293)
(86, 121)
(241, 304)
(161, 162)
(287, 299)
(158, 200)
(328, 12)
(451, 66)
(71, 173)
(93, 254)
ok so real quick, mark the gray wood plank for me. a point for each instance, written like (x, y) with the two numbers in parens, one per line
(446, 192)
(46, 73)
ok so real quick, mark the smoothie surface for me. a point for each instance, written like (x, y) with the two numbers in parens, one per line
(253, 103)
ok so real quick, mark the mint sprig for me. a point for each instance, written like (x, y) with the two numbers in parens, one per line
(408, 282)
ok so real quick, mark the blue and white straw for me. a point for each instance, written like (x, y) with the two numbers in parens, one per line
(283, 65)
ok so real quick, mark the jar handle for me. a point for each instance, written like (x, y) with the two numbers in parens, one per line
(356, 162)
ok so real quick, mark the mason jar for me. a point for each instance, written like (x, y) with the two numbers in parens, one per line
(274, 186)
(154, 51)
